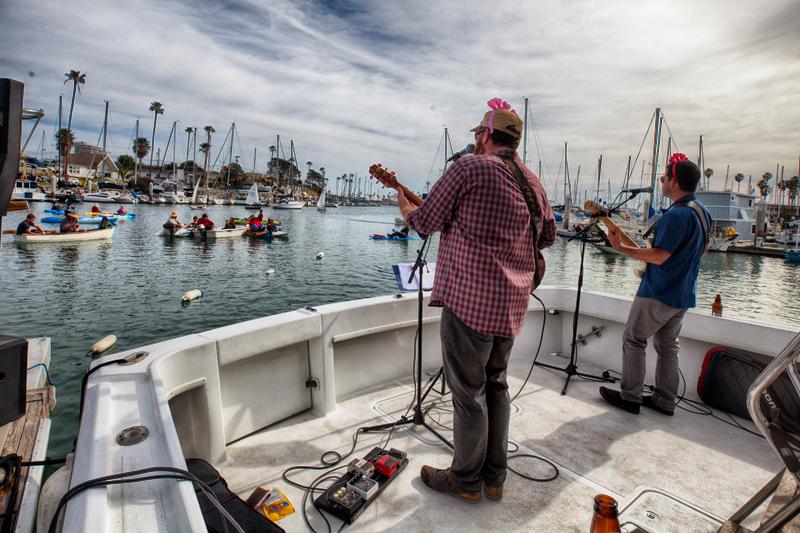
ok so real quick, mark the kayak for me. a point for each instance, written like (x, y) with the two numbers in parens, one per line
(267, 235)
(382, 237)
(247, 220)
(82, 220)
(106, 213)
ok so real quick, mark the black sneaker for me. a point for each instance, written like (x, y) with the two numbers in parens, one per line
(613, 397)
(648, 402)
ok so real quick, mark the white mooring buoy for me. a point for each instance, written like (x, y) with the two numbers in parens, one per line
(188, 296)
(103, 344)
(320, 255)
(270, 272)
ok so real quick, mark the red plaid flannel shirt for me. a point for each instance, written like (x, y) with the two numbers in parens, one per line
(485, 266)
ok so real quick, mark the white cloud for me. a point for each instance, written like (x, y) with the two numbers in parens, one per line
(356, 83)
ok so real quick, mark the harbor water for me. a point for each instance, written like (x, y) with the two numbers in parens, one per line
(132, 287)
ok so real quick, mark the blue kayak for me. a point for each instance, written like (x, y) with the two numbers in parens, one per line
(382, 237)
(82, 220)
(57, 212)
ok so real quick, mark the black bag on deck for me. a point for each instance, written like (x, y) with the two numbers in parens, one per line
(727, 375)
(248, 518)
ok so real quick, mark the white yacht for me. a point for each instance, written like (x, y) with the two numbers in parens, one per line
(27, 190)
(258, 397)
(289, 204)
(175, 197)
(102, 197)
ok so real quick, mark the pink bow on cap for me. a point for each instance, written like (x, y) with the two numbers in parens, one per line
(495, 104)
(674, 159)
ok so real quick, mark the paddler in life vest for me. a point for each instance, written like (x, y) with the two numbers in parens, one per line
(271, 225)
(95, 208)
(254, 227)
(230, 223)
(122, 210)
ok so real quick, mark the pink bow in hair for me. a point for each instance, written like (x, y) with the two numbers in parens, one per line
(674, 159)
(495, 104)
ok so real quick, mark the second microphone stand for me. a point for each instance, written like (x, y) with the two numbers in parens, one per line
(572, 367)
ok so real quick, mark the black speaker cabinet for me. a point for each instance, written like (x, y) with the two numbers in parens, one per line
(13, 377)
(10, 137)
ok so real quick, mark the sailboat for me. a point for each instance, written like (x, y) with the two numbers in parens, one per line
(195, 199)
(321, 202)
(252, 201)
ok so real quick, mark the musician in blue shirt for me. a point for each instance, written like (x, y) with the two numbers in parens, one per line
(666, 292)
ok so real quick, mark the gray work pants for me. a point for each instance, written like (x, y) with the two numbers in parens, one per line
(475, 368)
(649, 317)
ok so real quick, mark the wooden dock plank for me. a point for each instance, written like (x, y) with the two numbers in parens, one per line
(21, 438)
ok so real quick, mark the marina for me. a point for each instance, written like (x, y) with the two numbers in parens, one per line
(334, 266)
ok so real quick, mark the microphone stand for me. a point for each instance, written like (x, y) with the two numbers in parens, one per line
(418, 417)
(572, 368)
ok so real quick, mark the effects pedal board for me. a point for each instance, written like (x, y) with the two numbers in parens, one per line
(364, 481)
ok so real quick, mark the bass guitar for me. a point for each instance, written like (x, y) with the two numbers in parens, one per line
(601, 213)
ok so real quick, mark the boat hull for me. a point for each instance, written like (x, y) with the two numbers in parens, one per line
(82, 236)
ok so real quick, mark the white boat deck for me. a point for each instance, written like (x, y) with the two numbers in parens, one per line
(596, 447)
(237, 396)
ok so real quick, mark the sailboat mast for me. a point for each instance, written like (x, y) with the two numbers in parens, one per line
(525, 134)
(58, 133)
(105, 135)
(446, 143)
(230, 154)
(700, 163)
(656, 147)
(174, 147)
(135, 155)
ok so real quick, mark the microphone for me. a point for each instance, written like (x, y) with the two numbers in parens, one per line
(468, 149)
(639, 190)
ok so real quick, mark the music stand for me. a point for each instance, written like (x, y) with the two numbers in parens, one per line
(418, 417)
(572, 367)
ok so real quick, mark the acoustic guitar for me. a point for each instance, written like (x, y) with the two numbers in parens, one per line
(388, 179)
(601, 213)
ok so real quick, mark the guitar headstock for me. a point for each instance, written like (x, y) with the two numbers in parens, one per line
(383, 175)
(595, 209)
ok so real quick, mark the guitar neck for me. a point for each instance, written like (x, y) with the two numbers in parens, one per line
(413, 198)
(610, 224)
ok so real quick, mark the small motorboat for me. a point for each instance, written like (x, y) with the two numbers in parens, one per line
(79, 236)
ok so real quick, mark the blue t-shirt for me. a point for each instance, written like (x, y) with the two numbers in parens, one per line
(674, 282)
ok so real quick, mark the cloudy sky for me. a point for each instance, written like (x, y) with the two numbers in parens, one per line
(358, 82)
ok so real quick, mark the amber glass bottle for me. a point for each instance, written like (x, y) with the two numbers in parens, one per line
(606, 517)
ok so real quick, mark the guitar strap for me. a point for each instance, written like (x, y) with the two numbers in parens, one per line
(701, 216)
(536, 217)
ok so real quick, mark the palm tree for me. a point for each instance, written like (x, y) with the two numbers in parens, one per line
(77, 78)
(763, 184)
(141, 147)
(209, 130)
(791, 189)
(189, 132)
(65, 139)
(739, 177)
(158, 109)
(708, 173)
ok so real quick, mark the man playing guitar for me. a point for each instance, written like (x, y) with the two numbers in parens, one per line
(667, 290)
(495, 218)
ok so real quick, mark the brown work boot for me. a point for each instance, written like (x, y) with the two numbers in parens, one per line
(493, 492)
(442, 481)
